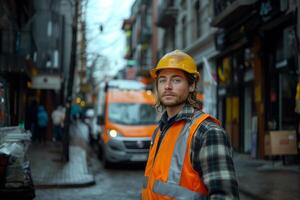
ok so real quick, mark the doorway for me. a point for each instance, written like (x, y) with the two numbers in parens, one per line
(247, 119)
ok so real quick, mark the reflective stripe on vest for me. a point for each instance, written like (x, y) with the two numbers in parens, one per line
(176, 191)
(180, 149)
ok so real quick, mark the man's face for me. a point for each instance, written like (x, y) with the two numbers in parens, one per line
(172, 87)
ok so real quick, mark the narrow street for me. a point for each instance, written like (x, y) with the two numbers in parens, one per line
(121, 182)
(117, 183)
(75, 74)
(257, 178)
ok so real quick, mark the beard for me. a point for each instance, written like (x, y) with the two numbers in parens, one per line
(174, 103)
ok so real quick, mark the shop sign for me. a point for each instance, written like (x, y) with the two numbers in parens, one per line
(86, 87)
(48, 82)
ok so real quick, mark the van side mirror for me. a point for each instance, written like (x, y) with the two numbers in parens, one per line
(100, 120)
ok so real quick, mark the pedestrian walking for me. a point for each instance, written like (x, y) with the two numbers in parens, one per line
(42, 123)
(190, 155)
(58, 117)
(75, 112)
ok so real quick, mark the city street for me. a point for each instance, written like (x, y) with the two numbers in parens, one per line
(117, 183)
(121, 181)
(88, 83)
(258, 179)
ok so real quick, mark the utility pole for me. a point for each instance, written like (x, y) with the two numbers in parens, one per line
(66, 136)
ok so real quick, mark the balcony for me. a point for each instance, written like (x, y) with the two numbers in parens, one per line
(228, 11)
(17, 51)
(166, 15)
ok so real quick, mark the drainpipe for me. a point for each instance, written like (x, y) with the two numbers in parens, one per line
(66, 138)
(298, 71)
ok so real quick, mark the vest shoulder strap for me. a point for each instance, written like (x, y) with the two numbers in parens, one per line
(199, 118)
(198, 121)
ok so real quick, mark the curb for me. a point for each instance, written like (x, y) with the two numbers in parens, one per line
(67, 185)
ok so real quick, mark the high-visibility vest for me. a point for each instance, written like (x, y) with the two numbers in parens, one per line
(169, 174)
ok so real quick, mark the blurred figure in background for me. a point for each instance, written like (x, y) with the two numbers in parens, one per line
(58, 117)
(31, 118)
(75, 112)
(42, 123)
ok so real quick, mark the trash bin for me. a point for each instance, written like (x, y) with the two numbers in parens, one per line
(15, 175)
(3, 165)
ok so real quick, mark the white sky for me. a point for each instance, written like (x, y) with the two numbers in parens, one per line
(111, 42)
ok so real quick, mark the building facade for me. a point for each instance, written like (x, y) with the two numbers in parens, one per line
(248, 55)
(138, 29)
(16, 54)
(35, 56)
(257, 68)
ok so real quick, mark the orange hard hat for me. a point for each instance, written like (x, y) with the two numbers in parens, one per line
(176, 60)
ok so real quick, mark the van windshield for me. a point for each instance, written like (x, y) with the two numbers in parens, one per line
(132, 114)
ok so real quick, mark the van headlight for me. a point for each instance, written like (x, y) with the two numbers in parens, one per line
(113, 133)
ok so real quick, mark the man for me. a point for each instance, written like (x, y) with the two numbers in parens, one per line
(58, 117)
(190, 156)
(42, 123)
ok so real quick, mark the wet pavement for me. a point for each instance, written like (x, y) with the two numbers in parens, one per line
(261, 179)
(258, 179)
(121, 182)
(49, 170)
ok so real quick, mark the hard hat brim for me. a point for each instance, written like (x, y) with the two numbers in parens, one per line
(153, 72)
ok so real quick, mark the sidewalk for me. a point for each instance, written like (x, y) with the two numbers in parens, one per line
(258, 179)
(265, 180)
(48, 169)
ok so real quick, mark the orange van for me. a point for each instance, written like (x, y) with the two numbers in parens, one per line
(127, 120)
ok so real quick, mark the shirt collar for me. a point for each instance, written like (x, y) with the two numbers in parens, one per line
(186, 113)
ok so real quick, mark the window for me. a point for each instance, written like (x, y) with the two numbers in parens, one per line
(197, 18)
(184, 32)
(183, 4)
(132, 114)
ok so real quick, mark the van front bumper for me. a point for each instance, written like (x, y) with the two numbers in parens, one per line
(127, 149)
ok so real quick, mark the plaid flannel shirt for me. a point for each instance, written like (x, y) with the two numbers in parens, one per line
(211, 155)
